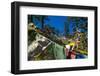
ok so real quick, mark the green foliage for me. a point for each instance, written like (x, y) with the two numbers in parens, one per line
(31, 36)
(83, 42)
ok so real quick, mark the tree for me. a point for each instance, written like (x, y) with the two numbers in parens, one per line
(41, 19)
(30, 19)
(66, 26)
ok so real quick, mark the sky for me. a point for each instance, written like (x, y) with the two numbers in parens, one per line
(54, 21)
(57, 22)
